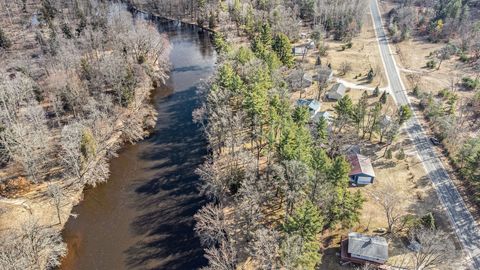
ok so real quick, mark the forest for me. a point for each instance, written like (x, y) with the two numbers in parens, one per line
(75, 84)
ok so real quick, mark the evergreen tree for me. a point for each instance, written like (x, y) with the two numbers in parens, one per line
(266, 34)
(428, 221)
(306, 222)
(376, 91)
(370, 75)
(383, 97)
(344, 112)
(338, 173)
(322, 130)
(283, 48)
(404, 113)
(301, 115)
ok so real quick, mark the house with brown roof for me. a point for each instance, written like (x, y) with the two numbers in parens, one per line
(362, 172)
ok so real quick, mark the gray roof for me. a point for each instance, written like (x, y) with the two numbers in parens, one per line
(313, 105)
(338, 88)
(368, 246)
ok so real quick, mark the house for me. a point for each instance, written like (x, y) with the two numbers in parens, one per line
(337, 91)
(324, 75)
(325, 115)
(299, 80)
(299, 50)
(312, 104)
(363, 249)
(362, 170)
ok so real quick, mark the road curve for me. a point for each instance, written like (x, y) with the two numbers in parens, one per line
(461, 219)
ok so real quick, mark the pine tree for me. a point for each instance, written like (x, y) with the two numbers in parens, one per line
(306, 222)
(283, 48)
(344, 112)
(266, 34)
(301, 115)
(322, 130)
(376, 91)
(404, 113)
(383, 97)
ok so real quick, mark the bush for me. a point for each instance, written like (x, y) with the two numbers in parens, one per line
(416, 91)
(400, 154)
(470, 84)
(388, 154)
(5, 43)
(428, 221)
(464, 58)
(322, 49)
(431, 64)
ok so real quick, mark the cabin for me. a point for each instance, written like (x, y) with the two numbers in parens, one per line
(362, 170)
(312, 104)
(337, 91)
(363, 249)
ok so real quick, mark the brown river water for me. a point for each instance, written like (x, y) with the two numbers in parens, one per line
(142, 218)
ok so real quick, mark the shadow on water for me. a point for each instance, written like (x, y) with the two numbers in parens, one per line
(142, 218)
(168, 224)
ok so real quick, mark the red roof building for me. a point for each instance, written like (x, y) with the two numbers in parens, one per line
(362, 172)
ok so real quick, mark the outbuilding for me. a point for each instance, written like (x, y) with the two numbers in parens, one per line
(362, 170)
(337, 91)
(312, 105)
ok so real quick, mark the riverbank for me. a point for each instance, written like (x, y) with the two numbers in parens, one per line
(143, 216)
(78, 139)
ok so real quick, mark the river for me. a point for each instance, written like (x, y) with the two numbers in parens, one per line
(142, 218)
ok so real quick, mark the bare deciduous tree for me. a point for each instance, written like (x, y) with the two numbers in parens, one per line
(388, 196)
(211, 225)
(436, 248)
(56, 194)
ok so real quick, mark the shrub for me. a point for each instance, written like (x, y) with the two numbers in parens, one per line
(470, 84)
(431, 64)
(400, 154)
(416, 91)
(322, 49)
(428, 221)
(5, 43)
(388, 154)
(464, 58)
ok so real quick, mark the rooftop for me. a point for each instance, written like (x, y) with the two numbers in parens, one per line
(360, 165)
(368, 246)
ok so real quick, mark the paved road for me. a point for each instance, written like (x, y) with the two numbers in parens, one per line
(462, 221)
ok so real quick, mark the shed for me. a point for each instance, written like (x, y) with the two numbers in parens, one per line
(324, 75)
(362, 170)
(312, 104)
(299, 50)
(337, 91)
(363, 249)
(325, 115)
